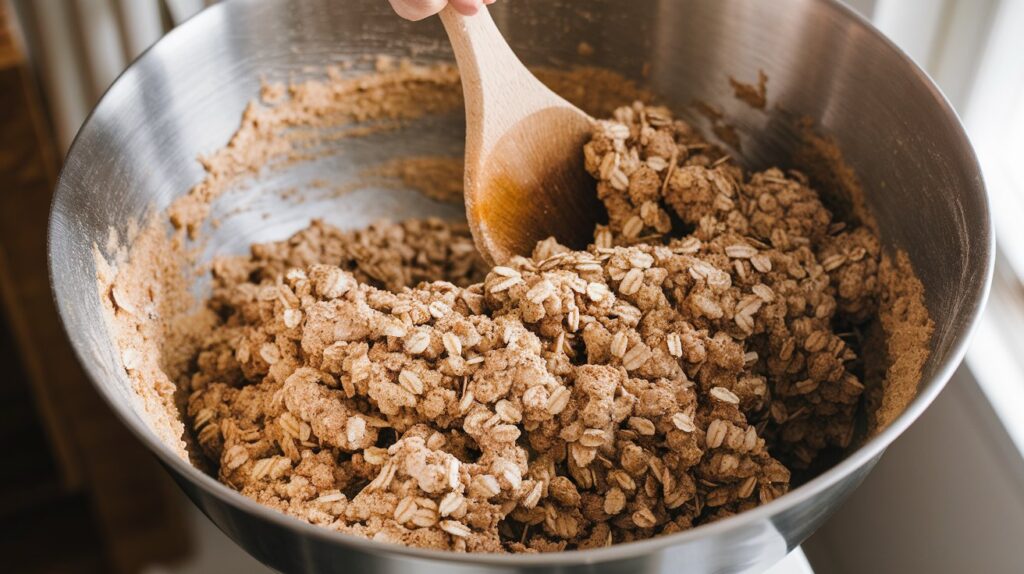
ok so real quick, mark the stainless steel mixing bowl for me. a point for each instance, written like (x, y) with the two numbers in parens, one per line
(184, 97)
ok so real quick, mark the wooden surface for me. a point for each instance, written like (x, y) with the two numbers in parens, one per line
(524, 178)
(49, 529)
(95, 463)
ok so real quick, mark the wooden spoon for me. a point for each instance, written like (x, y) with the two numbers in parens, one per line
(525, 179)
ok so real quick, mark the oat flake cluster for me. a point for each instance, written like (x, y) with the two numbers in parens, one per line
(385, 383)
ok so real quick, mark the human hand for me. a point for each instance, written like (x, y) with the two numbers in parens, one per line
(420, 9)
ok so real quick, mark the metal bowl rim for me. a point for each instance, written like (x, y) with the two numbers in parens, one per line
(927, 390)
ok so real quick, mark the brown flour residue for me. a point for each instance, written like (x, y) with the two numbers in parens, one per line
(820, 157)
(437, 177)
(754, 95)
(385, 383)
(908, 329)
(272, 132)
(728, 134)
(153, 321)
(597, 91)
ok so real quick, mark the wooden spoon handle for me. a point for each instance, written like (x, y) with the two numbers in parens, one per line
(498, 89)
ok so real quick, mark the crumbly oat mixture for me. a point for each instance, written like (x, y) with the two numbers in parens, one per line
(385, 383)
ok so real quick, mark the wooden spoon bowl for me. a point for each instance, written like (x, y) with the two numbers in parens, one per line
(525, 179)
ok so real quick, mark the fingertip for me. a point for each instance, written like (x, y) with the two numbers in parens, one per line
(466, 7)
(417, 10)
